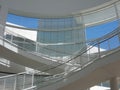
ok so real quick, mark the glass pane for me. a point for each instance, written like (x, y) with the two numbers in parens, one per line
(60, 38)
(100, 15)
(9, 83)
(2, 84)
(118, 7)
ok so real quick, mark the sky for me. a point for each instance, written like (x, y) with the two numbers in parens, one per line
(100, 30)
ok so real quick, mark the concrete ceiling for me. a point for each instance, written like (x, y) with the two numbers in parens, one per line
(38, 8)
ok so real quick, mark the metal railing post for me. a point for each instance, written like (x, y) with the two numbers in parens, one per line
(32, 79)
(4, 84)
(24, 81)
(109, 45)
(36, 47)
(99, 50)
(15, 82)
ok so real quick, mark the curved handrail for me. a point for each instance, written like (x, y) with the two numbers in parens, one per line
(2, 77)
(35, 53)
(44, 44)
(94, 43)
(83, 51)
(47, 44)
(45, 30)
(90, 42)
(102, 40)
(59, 77)
(48, 57)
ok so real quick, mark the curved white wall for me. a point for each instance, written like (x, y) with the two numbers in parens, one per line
(51, 7)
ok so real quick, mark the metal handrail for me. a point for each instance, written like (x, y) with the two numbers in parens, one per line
(91, 42)
(8, 76)
(96, 42)
(111, 35)
(47, 44)
(45, 30)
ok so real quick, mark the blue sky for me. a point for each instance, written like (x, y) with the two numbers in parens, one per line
(100, 30)
(23, 21)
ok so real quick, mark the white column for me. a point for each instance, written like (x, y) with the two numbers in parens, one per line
(3, 16)
(114, 83)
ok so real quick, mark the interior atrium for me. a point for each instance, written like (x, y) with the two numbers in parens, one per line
(59, 45)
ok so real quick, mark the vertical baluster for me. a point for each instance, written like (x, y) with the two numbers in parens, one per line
(36, 46)
(32, 79)
(88, 52)
(109, 48)
(15, 82)
(118, 18)
(99, 50)
(11, 38)
(23, 81)
(80, 61)
(4, 84)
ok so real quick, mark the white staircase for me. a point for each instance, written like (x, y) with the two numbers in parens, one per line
(85, 66)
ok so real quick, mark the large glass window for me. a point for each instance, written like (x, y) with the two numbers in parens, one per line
(60, 37)
(100, 15)
(56, 23)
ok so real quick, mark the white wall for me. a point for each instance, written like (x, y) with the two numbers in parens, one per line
(99, 88)
(30, 34)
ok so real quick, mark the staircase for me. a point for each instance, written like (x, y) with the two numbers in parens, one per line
(81, 66)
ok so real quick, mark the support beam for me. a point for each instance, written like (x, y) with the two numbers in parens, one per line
(3, 16)
(114, 83)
